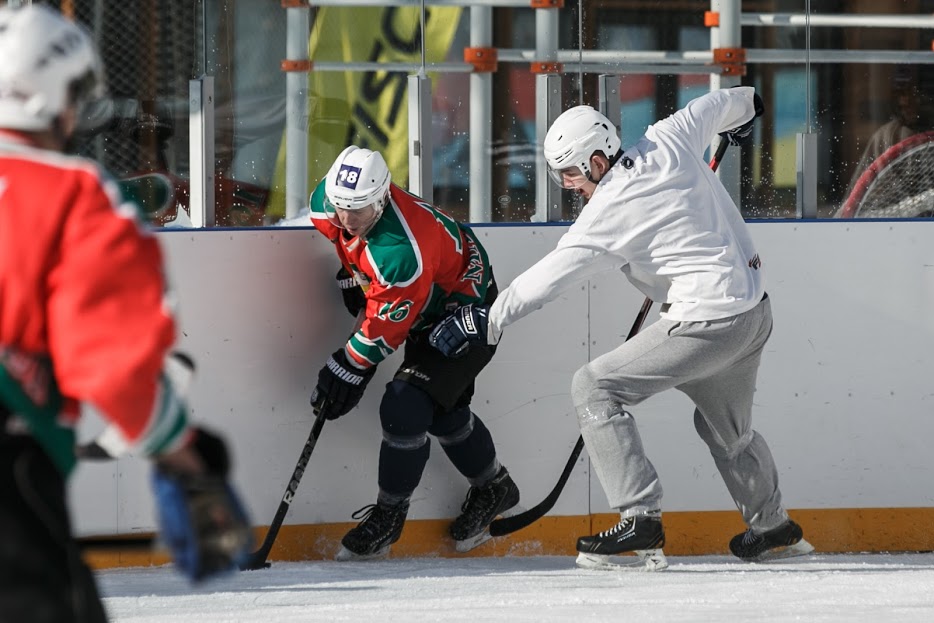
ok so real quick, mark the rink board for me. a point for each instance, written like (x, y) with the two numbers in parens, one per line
(844, 394)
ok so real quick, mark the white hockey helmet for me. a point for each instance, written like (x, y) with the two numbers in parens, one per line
(48, 64)
(573, 138)
(359, 178)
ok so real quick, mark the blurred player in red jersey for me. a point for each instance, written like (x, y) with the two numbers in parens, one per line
(83, 319)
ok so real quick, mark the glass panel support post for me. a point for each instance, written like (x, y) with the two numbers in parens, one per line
(806, 175)
(297, 120)
(420, 177)
(201, 150)
(481, 122)
(547, 109)
(608, 99)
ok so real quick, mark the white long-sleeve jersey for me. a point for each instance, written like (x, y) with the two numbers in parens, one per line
(662, 217)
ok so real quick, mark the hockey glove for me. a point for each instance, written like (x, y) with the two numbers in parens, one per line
(354, 297)
(340, 385)
(201, 519)
(742, 134)
(454, 334)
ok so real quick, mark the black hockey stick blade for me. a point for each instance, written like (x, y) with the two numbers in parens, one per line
(257, 560)
(508, 525)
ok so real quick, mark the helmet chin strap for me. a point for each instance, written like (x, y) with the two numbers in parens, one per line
(612, 161)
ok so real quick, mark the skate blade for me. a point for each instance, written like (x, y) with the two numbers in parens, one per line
(345, 555)
(477, 540)
(644, 560)
(801, 548)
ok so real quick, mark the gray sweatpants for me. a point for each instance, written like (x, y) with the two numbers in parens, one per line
(715, 363)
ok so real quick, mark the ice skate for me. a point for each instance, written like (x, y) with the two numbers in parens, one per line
(483, 504)
(381, 526)
(785, 541)
(641, 535)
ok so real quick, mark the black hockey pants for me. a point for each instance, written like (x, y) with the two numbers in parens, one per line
(42, 576)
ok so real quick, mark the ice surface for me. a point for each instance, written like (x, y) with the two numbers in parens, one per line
(863, 587)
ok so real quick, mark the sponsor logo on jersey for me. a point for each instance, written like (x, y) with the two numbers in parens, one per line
(474, 270)
(362, 279)
(755, 262)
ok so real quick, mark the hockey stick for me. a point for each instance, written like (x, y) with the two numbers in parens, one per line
(508, 525)
(257, 560)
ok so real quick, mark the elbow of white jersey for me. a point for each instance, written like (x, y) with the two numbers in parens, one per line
(496, 320)
(493, 333)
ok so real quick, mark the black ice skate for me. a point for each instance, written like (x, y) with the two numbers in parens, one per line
(381, 527)
(784, 541)
(480, 508)
(641, 535)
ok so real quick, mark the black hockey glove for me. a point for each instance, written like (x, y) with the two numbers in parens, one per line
(455, 333)
(340, 385)
(354, 297)
(743, 134)
(201, 519)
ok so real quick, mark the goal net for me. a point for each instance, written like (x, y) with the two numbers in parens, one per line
(898, 184)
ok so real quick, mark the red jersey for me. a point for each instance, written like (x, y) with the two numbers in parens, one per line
(415, 264)
(82, 283)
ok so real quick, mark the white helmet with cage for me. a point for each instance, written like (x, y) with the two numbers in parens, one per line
(359, 178)
(573, 138)
(48, 64)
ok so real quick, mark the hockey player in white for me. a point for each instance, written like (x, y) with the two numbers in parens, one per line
(659, 214)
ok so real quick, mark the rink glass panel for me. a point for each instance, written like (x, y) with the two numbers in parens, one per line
(152, 49)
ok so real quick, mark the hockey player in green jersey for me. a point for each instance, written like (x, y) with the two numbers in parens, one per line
(406, 265)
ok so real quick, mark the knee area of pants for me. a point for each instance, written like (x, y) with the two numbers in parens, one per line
(584, 382)
(406, 443)
(597, 412)
(732, 450)
(453, 427)
(405, 409)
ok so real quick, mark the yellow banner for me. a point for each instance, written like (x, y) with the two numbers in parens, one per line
(368, 109)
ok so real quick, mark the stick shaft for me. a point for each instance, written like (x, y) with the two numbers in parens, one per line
(257, 559)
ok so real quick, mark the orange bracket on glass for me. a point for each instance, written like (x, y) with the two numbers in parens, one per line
(546, 67)
(482, 59)
(546, 4)
(288, 65)
(294, 4)
(732, 61)
(711, 19)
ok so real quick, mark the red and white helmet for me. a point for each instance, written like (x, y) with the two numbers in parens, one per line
(47, 64)
(359, 178)
(573, 138)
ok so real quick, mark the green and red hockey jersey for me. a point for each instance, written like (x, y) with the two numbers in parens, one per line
(416, 264)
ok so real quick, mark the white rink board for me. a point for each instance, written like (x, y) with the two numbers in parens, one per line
(844, 395)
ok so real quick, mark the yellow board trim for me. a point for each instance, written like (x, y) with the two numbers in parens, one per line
(692, 533)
